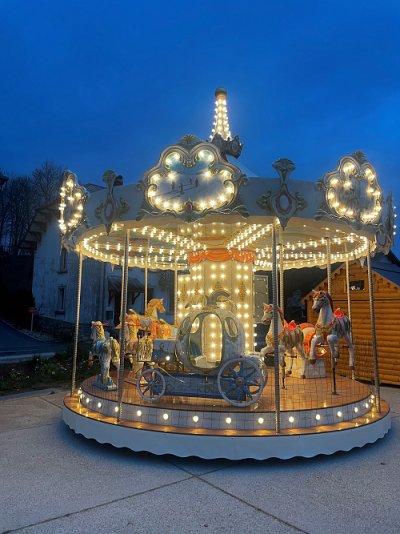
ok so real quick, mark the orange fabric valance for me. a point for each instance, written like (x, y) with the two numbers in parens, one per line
(222, 254)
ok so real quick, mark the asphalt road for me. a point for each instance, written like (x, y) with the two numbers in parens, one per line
(15, 343)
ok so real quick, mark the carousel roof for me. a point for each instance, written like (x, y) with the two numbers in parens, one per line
(197, 197)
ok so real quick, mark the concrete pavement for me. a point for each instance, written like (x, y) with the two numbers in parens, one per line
(53, 481)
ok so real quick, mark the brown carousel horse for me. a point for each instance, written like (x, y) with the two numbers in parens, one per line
(150, 325)
(150, 322)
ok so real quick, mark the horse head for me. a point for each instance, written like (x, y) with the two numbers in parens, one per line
(321, 299)
(268, 313)
(97, 331)
(157, 304)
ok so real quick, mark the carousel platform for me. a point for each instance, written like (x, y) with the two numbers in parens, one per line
(312, 420)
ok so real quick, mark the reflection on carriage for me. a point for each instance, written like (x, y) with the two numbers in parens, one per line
(200, 382)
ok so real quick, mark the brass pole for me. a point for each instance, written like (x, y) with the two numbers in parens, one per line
(328, 264)
(348, 287)
(281, 279)
(121, 317)
(373, 325)
(124, 291)
(275, 331)
(76, 334)
(329, 277)
(176, 294)
(349, 302)
(146, 276)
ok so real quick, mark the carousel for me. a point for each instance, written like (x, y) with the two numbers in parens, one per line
(196, 385)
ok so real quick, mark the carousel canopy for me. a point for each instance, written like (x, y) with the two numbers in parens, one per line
(194, 199)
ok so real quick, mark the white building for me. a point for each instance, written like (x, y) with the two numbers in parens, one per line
(54, 280)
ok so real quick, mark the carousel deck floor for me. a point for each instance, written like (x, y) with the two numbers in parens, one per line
(299, 394)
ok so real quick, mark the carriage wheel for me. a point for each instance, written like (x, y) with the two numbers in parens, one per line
(151, 385)
(240, 382)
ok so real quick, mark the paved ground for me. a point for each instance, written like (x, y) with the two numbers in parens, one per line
(53, 481)
(15, 345)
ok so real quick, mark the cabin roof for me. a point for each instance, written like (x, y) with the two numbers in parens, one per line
(386, 266)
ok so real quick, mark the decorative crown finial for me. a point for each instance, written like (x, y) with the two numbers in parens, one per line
(221, 92)
(221, 134)
(221, 123)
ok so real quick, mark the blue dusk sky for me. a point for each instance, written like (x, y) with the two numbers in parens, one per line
(95, 84)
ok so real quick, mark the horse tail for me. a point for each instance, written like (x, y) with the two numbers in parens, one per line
(115, 349)
(347, 324)
(299, 335)
(342, 326)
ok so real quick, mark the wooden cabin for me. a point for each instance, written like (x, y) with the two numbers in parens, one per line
(386, 286)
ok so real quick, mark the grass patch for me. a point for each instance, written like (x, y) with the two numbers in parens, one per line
(40, 373)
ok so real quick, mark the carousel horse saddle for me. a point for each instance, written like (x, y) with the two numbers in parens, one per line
(338, 313)
(291, 326)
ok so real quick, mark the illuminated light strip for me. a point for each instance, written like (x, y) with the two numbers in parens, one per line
(300, 259)
(248, 236)
(182, 243)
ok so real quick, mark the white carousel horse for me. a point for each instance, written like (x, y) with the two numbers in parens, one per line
(106, 349)
(331, 326)
(290, 338)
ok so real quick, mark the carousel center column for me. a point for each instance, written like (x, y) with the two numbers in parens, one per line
(220, 269)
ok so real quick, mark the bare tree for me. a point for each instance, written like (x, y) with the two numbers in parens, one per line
(4, 208)
(46, 181)
(20, 197)
(21, 208)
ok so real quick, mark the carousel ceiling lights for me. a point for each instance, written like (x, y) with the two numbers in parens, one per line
(163, 248)
(148, 245)
(248, 235)
(297, 255)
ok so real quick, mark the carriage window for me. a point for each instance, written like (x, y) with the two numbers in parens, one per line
(231, 328)
(195, 326)
(357, 285)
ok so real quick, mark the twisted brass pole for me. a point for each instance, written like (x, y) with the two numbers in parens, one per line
(373, 325)
(275, 331)
(123, 325)
(76, 334)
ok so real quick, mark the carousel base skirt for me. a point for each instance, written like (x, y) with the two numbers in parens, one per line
(321, 423)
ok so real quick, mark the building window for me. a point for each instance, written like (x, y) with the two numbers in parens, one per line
(63, 260)
(60, 299)
(357, 285)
